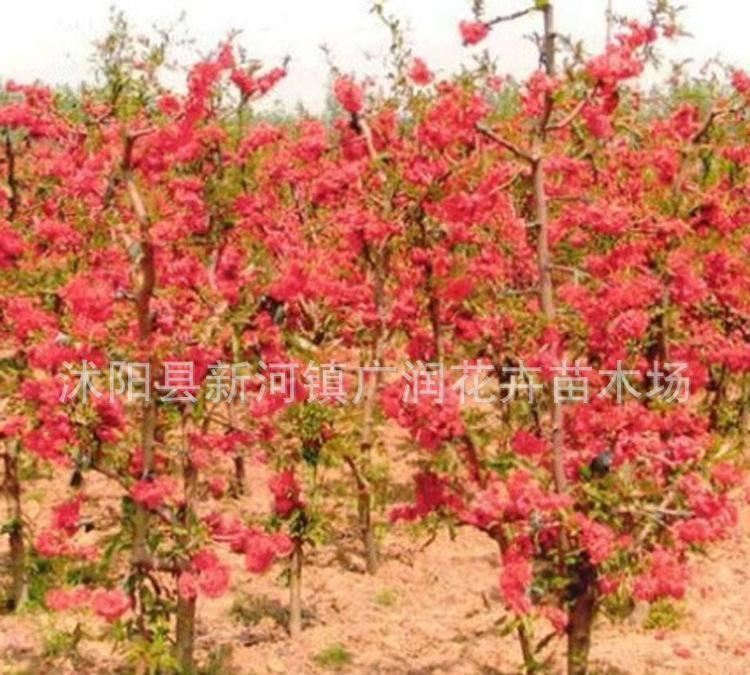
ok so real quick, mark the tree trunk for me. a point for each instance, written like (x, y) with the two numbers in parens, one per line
(295, 592)
(547, 299)
(147, 274)
(148, 431)
(580, 623)
(239, 474)
(15, 535)
(185, 634)
(185, 625)
(369, 540)
(364, 493)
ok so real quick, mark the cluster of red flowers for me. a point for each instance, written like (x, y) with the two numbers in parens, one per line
(349, 94)
(206, 574)
(109, 604)
(286, 493)
(473, 32)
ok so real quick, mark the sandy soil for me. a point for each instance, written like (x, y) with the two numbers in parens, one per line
(432, 611)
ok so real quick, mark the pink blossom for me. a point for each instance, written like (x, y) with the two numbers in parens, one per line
(515, 579)
(473, 32)
(349, 94)
(110, 604)
(419, 73)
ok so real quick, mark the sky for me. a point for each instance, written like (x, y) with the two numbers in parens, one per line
(51, 40)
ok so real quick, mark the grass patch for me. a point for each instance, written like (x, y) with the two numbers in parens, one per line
(664, 615)
(335, 657)
(251, 610)
(386, 597)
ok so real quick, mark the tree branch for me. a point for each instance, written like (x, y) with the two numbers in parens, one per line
(505, 143)
(510, 17)
(565, 121)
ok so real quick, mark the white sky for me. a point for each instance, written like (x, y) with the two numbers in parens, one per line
(51, 39)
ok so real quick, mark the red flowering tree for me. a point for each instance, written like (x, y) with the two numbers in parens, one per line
(126, 199)
(571, 228)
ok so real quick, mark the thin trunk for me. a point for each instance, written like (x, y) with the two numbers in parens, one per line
(544, 258)
(433, 308)
(15, 534)
(361, 465)
(147, 272)
(240, 470)
(580, 624)
(433, 302)
(364, 508)
(240, 473)
(185, 634)
(547, 299)
(140, 536)
(550, 49)
(581, 613)
(364, 494)
(369, 541)
(147, 281)
(185, 625)
(295, 592)
(549, 57)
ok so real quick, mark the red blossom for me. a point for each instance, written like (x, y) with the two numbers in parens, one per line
(665, 576)
(473, 32)
(214, 581)
(263, 549)
(110, 604)
(557, 617)
(349, 94)
(153, 492)
(52, 543)
(419, 73)
(515, 579)
(286, 493)
(62, 599)
(66, 516)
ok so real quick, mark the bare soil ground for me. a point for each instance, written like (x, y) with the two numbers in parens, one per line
(432, 611)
